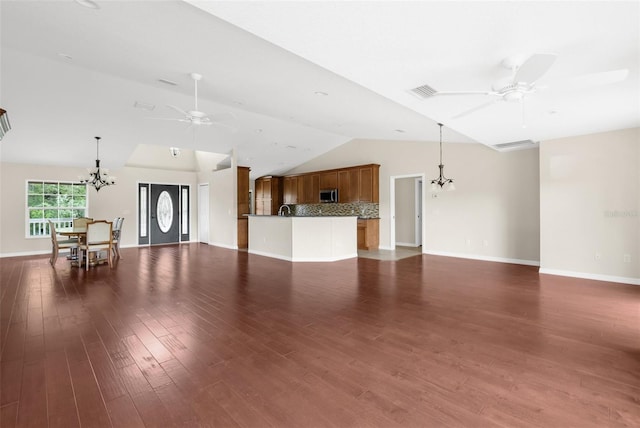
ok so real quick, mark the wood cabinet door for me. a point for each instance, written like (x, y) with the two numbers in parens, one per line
(344, 187)
(354, 185)
(329, 180)
(243, 191)
(301, 189)
(311, 188)
(369, 183)
(290, 188)
(349, 185)
(366, 185)
(266, 188)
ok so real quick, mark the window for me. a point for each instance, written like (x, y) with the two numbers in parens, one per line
(59, 202)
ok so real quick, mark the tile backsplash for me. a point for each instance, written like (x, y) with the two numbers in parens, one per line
(361, 209)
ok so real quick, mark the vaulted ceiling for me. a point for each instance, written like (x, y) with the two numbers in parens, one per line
(304, 77)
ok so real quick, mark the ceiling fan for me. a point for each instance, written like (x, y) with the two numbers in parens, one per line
(525, 73)
(522, 82)
(196, 117)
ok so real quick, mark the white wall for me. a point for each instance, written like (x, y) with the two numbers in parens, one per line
(590, 206)
(223, 207)
(114, 201)
(405, 211)
(494, 214)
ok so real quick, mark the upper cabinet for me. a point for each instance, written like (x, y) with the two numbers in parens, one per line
(354, 184)
(268, 195)
(290, 190)
(369, 185)
(328, 180)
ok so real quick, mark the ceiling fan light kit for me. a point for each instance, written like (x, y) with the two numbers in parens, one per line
(98, 177)
(442, 183)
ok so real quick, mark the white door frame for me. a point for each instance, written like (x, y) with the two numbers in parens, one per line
(203, 212)
(392, 207)
(418, 213)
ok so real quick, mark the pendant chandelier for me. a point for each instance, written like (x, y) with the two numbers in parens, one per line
(442, 183)
(98, 178)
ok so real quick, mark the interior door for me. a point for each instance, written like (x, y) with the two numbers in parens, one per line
(164, 206)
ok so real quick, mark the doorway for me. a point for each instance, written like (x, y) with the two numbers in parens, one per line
(406, 205)
(163, 215)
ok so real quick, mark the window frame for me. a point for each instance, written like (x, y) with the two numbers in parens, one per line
(28, 208)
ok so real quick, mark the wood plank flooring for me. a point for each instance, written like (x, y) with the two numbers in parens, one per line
(199, 336)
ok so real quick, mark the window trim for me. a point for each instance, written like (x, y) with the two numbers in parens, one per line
(27, 208)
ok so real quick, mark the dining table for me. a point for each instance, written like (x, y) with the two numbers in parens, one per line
(79, 232)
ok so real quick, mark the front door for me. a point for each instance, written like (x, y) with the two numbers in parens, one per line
(164, 225)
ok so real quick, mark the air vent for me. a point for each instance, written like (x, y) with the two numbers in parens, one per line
(423, 92)
(144, 106)
(515, 145)
(167, 82)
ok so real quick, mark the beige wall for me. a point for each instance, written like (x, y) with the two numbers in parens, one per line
(223, 206)
(590, 206)
(494, 214)
(116, 201)
(405, 192)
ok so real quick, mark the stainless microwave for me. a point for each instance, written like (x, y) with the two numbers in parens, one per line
(329, 195)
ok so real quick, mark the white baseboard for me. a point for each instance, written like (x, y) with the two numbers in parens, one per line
(484, 258)
(27, 253)
(594, 276)
(407, 244)
(221, 245)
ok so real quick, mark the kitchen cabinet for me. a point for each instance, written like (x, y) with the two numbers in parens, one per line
(368, 236)
(268, 195)
(311, 189)
(328, 180)
(369, 186)
(243, 206)
(290, 190)
(349, 185)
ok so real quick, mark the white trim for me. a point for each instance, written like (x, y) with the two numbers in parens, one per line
(484, 258)
(227, 246)
(593, 276)
(392, 206)
(25, 253)
(407, 244)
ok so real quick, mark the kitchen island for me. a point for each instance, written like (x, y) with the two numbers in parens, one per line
(304, 239)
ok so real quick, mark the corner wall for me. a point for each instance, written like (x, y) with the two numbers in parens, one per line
(590, 206)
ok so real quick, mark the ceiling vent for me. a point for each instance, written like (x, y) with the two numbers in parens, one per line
(516, 145)
(167, 82)
(423, 92)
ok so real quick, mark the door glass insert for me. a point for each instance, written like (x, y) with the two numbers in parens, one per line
(164, 211)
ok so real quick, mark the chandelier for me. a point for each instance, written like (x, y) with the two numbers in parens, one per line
(98, 178)
(442, 183)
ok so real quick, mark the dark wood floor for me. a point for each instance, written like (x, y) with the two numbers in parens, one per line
(195, 335)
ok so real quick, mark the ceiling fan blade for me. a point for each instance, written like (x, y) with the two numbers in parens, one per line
(165, 118)
(534, 68)
(464, 93)
(476, 108)
(223, 117)
(179, 110)
(597, 79)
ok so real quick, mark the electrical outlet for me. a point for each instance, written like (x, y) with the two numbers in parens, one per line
(627, 258)
(597, 256)
(468, 242)
(485, 243)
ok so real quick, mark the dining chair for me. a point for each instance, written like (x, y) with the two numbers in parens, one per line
(81, 221)
(58, 242)
(117, 231)
(99, 238)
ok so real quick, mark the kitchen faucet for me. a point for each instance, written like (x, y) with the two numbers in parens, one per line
(281, 211)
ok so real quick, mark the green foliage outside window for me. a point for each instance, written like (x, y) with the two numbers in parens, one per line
(59, 202)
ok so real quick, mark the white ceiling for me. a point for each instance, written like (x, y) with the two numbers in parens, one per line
(265, 61)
